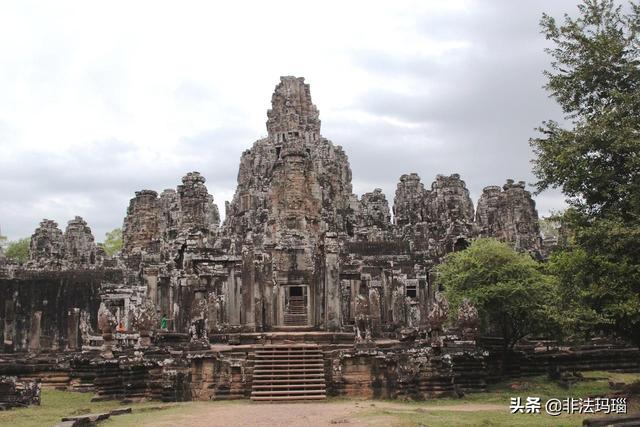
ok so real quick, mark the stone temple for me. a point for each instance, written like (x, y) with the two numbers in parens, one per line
(302, 274)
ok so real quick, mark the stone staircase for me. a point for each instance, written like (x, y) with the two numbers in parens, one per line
(288, 372)
(296, 313)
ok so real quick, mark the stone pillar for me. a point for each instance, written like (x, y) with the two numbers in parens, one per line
(73, 328)
(333, 318)
(235, 297)
(35, 331)
(9, 325)
(151, 279)
(374, 312)
(248, 288)
(280, 305)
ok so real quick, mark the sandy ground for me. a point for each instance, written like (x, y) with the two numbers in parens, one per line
(294, 414)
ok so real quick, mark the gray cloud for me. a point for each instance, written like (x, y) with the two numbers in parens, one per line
(470, 109)
(473, 110)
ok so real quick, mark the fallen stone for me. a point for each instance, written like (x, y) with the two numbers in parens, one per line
(76, 423)
(120, 411)
(88, 417)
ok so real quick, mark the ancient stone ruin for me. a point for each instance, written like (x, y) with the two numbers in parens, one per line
(302, 276)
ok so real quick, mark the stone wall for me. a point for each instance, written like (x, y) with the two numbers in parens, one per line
(41, 311)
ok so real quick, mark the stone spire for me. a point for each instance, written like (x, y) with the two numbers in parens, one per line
(197, 210)
(79, 244)
(509, 214)
(140, 231)
(292, 114)
(408, 205)
(47, 242)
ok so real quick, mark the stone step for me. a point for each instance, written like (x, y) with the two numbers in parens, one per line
(289, 353)
(288, 398)
(288, 392)
(287, 362)
(259, 387)
(284, 374)
(289, 381)
(287, 370)
(281, 355)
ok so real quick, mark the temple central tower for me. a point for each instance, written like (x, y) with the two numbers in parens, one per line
(294, 189)
(292, 114)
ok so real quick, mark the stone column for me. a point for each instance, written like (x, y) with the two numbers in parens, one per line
(248, 288)
(35, 330)
(333, 318)
(73, 328)
(9, 325)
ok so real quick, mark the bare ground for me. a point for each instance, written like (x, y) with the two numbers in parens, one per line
(294, 414)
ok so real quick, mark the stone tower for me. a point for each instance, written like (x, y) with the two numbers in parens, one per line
(292, 114)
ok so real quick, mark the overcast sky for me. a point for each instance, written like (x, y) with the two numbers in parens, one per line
(100, 99)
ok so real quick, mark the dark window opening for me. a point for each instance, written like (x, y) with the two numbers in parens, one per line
(295, 291)
(412, 292)
(278, 149)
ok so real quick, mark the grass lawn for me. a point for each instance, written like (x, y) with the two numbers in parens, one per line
(482, 409)
(57, 404)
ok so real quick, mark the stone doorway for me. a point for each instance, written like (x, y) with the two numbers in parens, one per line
(296, 306)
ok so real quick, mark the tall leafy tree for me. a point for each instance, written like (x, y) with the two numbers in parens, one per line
(595, 78)
(595, 159)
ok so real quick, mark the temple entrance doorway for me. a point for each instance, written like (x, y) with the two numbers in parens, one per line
(296, 306)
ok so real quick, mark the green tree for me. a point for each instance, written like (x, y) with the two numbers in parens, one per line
(595, 78)
(599, 278)
(18, 250)
(595, 160)
(113, 242)
(510, 290)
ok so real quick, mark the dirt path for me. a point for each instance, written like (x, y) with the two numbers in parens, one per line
(360, 413)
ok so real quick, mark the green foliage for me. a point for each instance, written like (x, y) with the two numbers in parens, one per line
(510, 290)
(550, 226)
(595, 77)
(18, 250)
(600, 279)
(113, 242)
